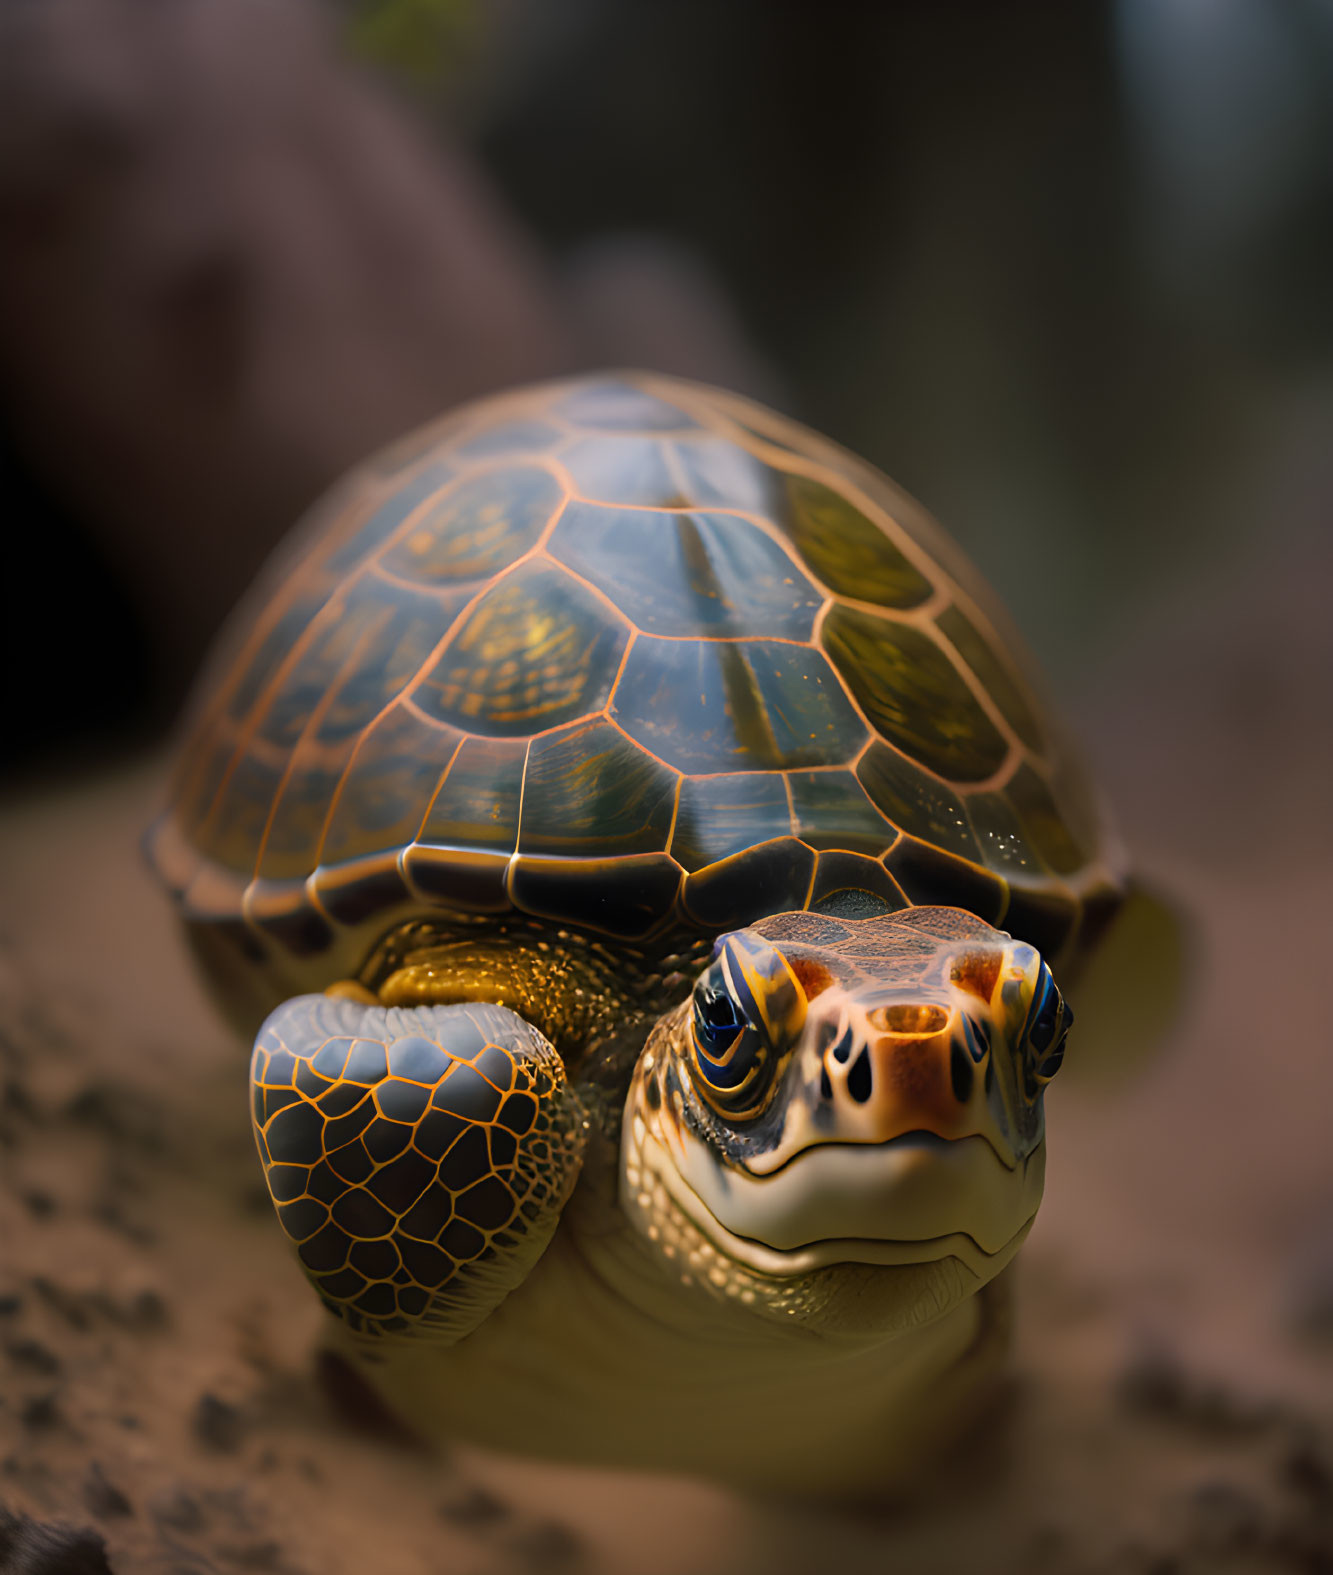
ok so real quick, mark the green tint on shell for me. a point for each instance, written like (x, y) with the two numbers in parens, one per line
(913, 695)
(846, 550)
(1048, 831)
(627, 655)
(995, 675)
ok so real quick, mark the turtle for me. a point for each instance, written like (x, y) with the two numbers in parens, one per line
(631, 834)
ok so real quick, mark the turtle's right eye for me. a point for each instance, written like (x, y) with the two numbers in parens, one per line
(726, 1048)
(748, 1009)
(717, 1018)
(730, 1059)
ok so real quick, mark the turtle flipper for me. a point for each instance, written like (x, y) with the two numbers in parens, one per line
(418, 1157)
(1129, 997)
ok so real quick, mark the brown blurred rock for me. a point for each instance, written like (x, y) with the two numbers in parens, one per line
(218, 1424)
(229, 268)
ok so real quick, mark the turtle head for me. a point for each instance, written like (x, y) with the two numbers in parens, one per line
(843, 1123)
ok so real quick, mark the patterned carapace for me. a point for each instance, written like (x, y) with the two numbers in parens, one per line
(627, 656)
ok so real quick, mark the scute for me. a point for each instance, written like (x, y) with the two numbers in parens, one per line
(617, 406)
(370, 793)
(854, 885)
(522, 437)
(383, 523)
(830, 809)
(846, 550)
(536, 650)
(913, 695)
(1000, 836)
(388, 786)
(917, 802)
(361, 651)
(715, 472)
(625, 654)
(476, 803)
(996, 676)
(1047, 828)
(233, 830)
(682, 574)
(768, 878)
(590, 792)
(477, 528)
(253, 671)
(736, 705)
(623, 470)
(723, 815)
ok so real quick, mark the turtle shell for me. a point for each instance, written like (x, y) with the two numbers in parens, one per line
(629, 656)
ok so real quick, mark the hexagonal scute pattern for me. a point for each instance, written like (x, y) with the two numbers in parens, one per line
(632, 655)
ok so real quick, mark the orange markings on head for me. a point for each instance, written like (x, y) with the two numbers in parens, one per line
(909, 1017)
(919, 1077)
(977, 972)
(812, 976)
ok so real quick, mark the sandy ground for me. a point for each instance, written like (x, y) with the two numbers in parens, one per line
(1174, 1367)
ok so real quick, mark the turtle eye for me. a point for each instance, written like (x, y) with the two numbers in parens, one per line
(1048, 1023)
(747, 1008)
(717, 1017)
(727, 1048)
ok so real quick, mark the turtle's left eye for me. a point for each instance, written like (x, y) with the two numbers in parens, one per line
(1048, 1023)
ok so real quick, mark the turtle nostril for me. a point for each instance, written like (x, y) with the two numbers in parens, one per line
(859, 1080)
(909, 1017)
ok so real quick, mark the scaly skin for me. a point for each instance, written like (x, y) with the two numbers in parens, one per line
(785, 1301)
(601, 1358)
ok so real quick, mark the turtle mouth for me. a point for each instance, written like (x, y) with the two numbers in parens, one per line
(913, 1199)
